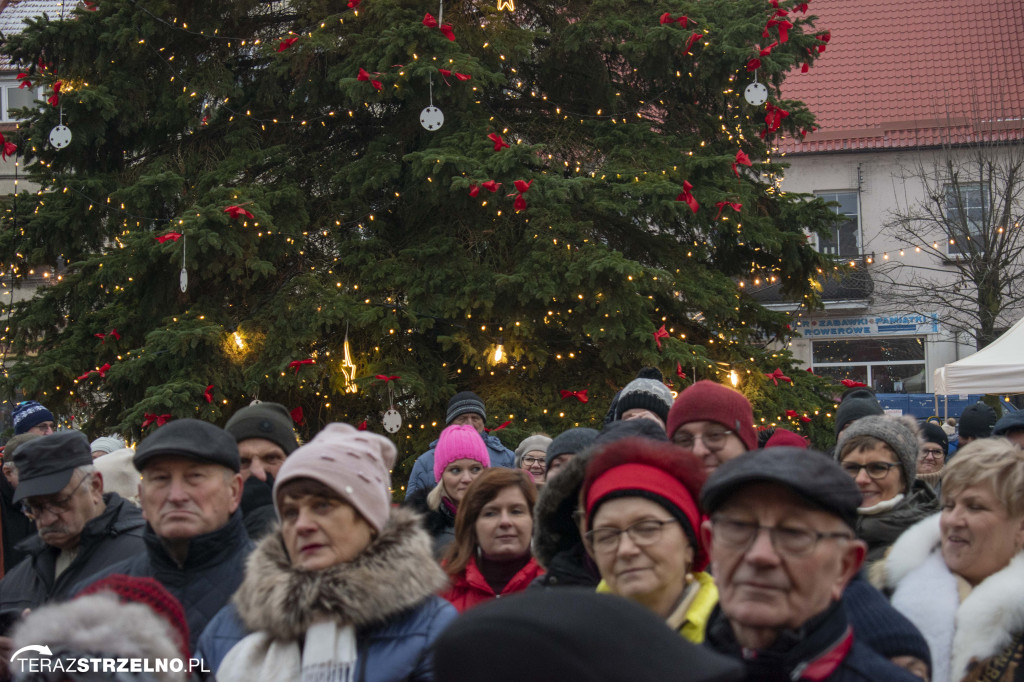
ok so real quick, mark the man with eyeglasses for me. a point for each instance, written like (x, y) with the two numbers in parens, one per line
(714, 422)
(782, 547)
(81, 530)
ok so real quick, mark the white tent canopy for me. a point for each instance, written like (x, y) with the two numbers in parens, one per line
(997, 368)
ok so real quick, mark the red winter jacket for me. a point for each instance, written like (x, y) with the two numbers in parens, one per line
(469, 587)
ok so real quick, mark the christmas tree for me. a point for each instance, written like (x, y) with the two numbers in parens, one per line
(260, 201)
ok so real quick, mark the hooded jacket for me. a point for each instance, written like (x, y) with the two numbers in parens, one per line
(107, 539)
(211, 573)
(965, 637)
(557, 544)
(422, 476)
(388, 593)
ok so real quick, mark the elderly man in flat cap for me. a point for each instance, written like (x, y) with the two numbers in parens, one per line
(81, 530)
(783, 549)
(196, 543)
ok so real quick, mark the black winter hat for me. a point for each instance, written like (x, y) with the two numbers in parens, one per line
(933, 433)
(270, 421)
(634, 428)
(645, 394)
(571, 442)
(571, 634)
(465, 402)
(977, 421)
(856, 404)
(189, 438)
(1013, 421)
(45, 465)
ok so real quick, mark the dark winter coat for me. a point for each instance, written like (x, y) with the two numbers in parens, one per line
(211, 573)
(258, 507)
(824, 649)
(107, 539)
(557, 544)
(422, 475)
(470, 588)
(881, 530)
(388, 593)
(16, 526)
(439, 523)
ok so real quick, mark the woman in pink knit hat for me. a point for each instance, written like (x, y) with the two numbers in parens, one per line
(460, 456)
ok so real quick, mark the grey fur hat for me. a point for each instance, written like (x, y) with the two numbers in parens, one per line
(899, 433)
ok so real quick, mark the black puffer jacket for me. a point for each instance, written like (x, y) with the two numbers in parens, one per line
(881, 530)
(213, 570)
(107, 539)
(557, 545)
(439, 523)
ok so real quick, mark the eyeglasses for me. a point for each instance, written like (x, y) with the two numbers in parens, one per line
(933, 453)
(533, 461)
(714, 441)
(55, 507)
(794, 542)
(642, 533)
(876, 470)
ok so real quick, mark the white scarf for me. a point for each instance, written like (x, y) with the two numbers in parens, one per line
(329, 655)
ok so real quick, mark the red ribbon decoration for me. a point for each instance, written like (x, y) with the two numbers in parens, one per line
(362, 425)
(522, 186)
(687, 197)
(824, 38)
(499, 428)
(385, 378)
(804, 418)
(474, 190)
(91, 5)
(754, 64)
(805, 68)
(691, 40)
(499, 143)
(160, 419)
(659, 335)
(364, 76)
(208, 393)
(722, 204)
(579, 395)
(6, 148)
(778, 376)
(741, 160)
(446, 72)
(352, 4)
(169, 237)
(802, 7)
(666, 18)
(286, 43)
(298, 416)
(850, 383)
(773, 117)
(236, 212)
(784, 27)
(679, 370)
(297, 364)
(25, 82)
(430, 22)
(490, 185)
(112, 332)
(792, 413)
(54, 99)
(765, 51)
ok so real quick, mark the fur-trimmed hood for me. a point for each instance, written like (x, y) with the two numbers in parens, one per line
(554, 530)
(986, 622)
(395, 573)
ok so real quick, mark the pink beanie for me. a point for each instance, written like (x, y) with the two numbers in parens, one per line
(708, 401)
(354, 464)
(459, 441)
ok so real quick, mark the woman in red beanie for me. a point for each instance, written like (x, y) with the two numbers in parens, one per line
(640, 521)
(713, 421)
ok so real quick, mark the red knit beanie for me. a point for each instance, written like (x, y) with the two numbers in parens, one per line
(784, 438)
(708, 401)
(151, 593)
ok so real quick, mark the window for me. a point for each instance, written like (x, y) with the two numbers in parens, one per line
(13, 97)
(886, 365)
(844, 240)
(965, 214)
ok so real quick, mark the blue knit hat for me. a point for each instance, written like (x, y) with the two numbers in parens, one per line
(29, 414)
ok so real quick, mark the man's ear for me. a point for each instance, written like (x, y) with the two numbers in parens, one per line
(235, 487)
(96, 484)
(850, 563)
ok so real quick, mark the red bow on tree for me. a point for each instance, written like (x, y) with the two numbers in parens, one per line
(687, 197)
(430, 22)
(286, 43)
(499, 428)
(778, 376)
(236, 212)
(208, 393)
(522, 186)
(91, 5)
(461, 76)
(659, 335)
(666, 18)
(694, 37)
(25, 82)
(802, 7)
(792, 413)
(160, 419)
(385, 378)
(362, 425)
(352, 4)
(112, 332)
(499, 143)
(804, 418)
(731, 204)
(490, 185)
(741, 160)
(54, 99)
(765, 51)
(7, 148)
(824, 38)
(298, 416)
(754, 64)
(102, 371)
(773, 117)
(364, 76)
(579, 395)
(679, 370)
(297, 364)
(169, 237)
(850, 383)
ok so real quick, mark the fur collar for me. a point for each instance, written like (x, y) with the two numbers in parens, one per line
(991, 615)
(554, 529)
(394, 574)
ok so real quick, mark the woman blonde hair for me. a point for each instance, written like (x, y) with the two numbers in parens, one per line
(997, 461)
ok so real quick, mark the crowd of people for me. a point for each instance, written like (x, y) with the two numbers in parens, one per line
(678, 542)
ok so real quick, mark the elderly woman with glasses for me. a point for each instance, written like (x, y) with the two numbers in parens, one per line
(959, 575)
(640, 520)
(880, 454)
(531, 456)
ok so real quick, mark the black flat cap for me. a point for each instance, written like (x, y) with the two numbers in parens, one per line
(571, 634)
(45, 464)
(189, 438)
(812, 475)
